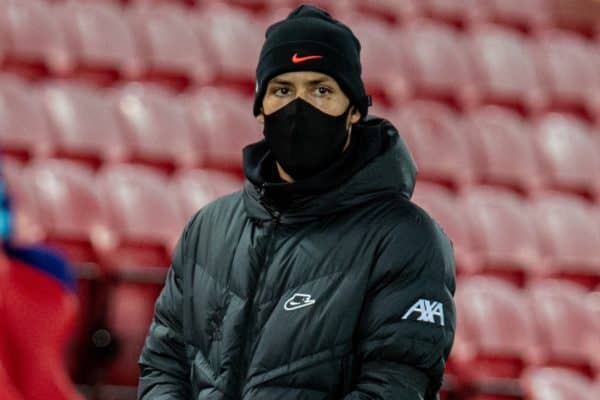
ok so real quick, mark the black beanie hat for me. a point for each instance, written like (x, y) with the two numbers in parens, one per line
(309, 39)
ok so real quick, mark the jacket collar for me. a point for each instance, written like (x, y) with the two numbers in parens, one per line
(391, 173)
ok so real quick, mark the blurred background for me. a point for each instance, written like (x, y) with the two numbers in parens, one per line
(120, 119)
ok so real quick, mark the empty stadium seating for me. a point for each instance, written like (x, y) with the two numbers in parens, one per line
(386, 81)
(503, 234)
(24, 130)
(34, 41)
(491, 315)
(454, 11)
(227, 51)
(67, 207)
(570, 70)
(566, 330)
(435, 137)
(505, 68)
(527, 15)
(223, 124)
(156, 127)
(569, 154)
(437, 63)
(196, 188)
(569, 238)
(172, 52)
(145, 222)
(84, 124)
(503, 149)
(557, 383)
(102, 43)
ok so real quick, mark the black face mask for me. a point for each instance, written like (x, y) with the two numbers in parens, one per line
(303, 139)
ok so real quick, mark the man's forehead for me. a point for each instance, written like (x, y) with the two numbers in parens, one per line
(302, 77)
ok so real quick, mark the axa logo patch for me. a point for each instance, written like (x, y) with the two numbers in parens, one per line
(298, 300)
(427, 310)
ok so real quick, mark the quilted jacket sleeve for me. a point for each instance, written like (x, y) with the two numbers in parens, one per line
(164, 369)
(408, 319)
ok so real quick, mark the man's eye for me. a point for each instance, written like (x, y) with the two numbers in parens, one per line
(323, 90)
(282, 91)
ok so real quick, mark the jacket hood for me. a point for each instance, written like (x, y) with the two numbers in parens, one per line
(391, 173)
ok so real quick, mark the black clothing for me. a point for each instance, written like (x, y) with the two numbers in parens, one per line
(341, 293)
(309, 39)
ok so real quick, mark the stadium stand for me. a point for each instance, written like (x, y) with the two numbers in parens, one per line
(568, 154)
(502, 147)
(485, 347)
(437, 63)
(156, 128)
(120, 119)
(24, 131)
(172, 53)
(434, 134)
(503, 235)
(101, 42)
(568, 238)
(565, 325)
(84, 124)
(505, 68)
(556, 383)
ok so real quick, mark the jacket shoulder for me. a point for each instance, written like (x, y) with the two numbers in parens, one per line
(414, 240)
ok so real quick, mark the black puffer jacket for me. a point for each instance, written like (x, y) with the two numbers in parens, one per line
(345, 295)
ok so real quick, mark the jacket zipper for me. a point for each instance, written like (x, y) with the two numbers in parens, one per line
(249, 348)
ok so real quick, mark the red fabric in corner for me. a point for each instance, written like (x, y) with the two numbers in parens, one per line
(38, 316)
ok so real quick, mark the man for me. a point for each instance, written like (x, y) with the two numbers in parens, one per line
(320, 280)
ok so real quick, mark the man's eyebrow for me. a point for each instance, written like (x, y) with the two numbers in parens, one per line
(281, 82)
(319, 80)
(278, 81)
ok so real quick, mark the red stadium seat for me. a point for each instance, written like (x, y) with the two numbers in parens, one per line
(566, 328)
(435, 136)
(503, 149)
(529, 14)
(505, 68)
(568, 153)
(34, 39)
(445, 209)
(103, 43)
(568, 237)
(233, 51)
(68, 207)
(556, 384)
(26, 225)
(23, 127)
(145, 218)
(130, 311)
(173, 53)
(437, 62)
(223, 124)
(503, 234)
(84, 123)
(491, 314)
(391, 10)
(386, 81)
(455, 11)
(196, 188)
(156, 127)
(570, 70)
